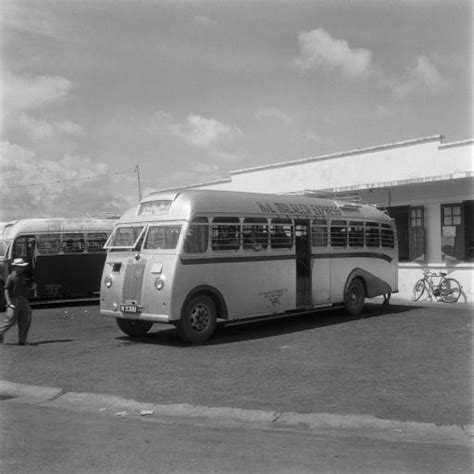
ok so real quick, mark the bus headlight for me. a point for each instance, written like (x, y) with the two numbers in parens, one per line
(108, 280)
(159, 283)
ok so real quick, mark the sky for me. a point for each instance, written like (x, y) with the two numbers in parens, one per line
(189, 90)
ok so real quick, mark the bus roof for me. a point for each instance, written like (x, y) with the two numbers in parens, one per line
(54, 225)
(188, 203)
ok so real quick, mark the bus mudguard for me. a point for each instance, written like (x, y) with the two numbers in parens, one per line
(374, 286)
(215, 294)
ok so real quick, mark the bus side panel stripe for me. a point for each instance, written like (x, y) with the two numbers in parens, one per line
(207, 260)
(382, 256)
(266, 258)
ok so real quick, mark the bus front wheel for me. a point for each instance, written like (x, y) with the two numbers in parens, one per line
(133, 327)
(198, 320)
(354, 297)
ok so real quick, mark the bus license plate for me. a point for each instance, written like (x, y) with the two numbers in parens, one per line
(129, 308)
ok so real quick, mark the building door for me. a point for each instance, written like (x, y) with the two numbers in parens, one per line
(469, 229)
(303, 263)
(401, 215)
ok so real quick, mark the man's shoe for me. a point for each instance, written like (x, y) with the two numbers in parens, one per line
(24, 343)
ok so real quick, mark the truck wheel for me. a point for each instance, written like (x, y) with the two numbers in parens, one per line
(134, 327)
(354, 297)
(198, 320)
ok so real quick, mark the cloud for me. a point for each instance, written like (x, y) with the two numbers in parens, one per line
(313, 137)
(40, 130)
(33, 187)
(319, 51)
(273, 113)
(202, 20)
(29, 18)
(203, 132)
(423, 77)
(21, 94)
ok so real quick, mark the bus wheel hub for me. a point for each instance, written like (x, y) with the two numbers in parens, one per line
(199, 318)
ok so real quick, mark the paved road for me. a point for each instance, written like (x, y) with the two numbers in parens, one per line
(37, 439)
(404, 362)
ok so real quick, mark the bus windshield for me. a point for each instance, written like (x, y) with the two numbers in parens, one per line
(125, 237)
(4, 247)
(162, 237)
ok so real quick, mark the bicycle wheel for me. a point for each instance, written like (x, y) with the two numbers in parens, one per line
(450, 290)
(418, 290)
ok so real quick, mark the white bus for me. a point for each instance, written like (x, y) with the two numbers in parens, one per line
(65, 256)
(198, 257)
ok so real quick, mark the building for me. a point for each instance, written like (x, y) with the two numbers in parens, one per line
(425, 184)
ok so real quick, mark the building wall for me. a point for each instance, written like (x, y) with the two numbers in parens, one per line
(356, 169)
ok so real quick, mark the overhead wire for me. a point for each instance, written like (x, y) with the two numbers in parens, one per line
(66, 180)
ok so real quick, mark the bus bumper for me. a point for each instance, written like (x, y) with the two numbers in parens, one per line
(156, 318)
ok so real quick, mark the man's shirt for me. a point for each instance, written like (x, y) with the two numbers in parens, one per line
(15, 285)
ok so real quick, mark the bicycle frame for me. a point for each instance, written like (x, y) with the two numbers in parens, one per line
(447, 290)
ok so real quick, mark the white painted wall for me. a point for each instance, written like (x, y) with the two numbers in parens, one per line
(417, 159)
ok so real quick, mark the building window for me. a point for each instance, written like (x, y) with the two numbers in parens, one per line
(453, 241)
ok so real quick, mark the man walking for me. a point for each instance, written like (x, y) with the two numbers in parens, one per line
(18, 309)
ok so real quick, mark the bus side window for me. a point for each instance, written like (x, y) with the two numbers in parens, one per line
(319, 233)
(48, 244)
(225, 236)
(96, 241)
(356, 234)
(372, 234)
(338, 234)
(73, 243)
(255, 233)
(388, 237)
(281, 234)
(197, 237)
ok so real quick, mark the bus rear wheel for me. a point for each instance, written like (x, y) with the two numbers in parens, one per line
(133, 327)
(198, 320)
(354, 297)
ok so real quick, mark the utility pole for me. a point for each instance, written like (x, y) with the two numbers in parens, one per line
(137, 170)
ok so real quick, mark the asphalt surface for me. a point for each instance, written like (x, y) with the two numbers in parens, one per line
(404, 362)
(38, 439)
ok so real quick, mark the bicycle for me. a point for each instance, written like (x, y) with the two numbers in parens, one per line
(447, 290)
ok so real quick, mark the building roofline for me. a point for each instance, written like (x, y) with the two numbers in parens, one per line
(468, 141)
(340, 154)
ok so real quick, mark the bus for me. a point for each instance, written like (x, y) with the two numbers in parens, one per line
(199, 257)
(65, 256)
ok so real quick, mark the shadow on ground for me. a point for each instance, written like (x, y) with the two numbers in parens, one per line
(244, 331)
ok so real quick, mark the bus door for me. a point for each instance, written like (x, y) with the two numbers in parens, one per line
(303, 263)
(25, 247)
